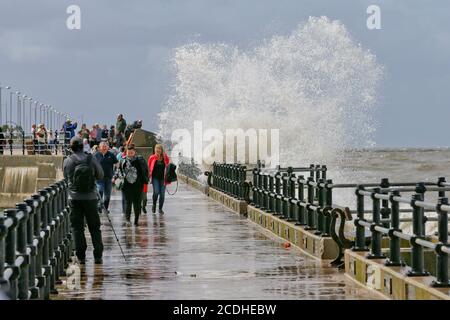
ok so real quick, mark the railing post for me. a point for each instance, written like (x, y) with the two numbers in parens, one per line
(328, 203)
(255, 187)
(277, 194)
(385, 211)
(394, 242)
(360, 241)
(320, 215)
(417, 254)
(376, 235)
(46, 244)
(32, 245)
(22, 250)
(270, 200)
(284, 203)
(39, 239)
(291, 195)
(3, 233)
(301, 219)
(52, 225)
(264, 197)
(441, 193)
(10, 253)
(310, 216)
(317, 178)
(442, 257)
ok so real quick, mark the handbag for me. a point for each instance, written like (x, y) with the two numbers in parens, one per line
(118, 183)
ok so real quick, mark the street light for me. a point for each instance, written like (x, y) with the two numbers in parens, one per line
(35, 111)
(6, 104)
(31, 101)
(18, 108)
(24, 124)
(40, 112)
(1, 106)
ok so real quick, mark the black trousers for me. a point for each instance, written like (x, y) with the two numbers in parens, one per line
(133, 199)
(81, 210)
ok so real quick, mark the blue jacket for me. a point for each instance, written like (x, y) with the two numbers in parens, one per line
(70, 129)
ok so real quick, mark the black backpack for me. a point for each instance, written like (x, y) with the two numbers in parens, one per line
(171, 174)
(83, 176)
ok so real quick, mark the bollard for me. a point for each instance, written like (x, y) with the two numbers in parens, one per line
(417, 255)
(376, 235)
(394, 242)
(360, 241)
(442, 280)
(23, 281)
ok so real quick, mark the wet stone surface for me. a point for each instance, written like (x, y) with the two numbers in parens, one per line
(201, 250)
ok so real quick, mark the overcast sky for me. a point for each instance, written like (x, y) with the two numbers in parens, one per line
(118, 61)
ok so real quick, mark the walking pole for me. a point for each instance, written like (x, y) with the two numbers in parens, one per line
(110, 223)
(114, 231)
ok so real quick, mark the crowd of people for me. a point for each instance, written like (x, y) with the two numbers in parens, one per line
(102, 158)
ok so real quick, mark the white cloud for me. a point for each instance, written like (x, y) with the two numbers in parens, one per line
(18, 48)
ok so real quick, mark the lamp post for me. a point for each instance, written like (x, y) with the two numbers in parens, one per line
(1, 106)
(40, 112)
(23, 112)
(35, 111)
(10, 107)
(30, 121)
(18, 109)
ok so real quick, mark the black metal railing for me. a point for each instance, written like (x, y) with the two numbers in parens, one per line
(35, 244)
(385, 224)
(308, 202)
(230, 179)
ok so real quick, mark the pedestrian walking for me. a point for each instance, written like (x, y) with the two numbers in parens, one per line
(81, 170)
(121, 124)
(158, 163)
(107, 160)
(134, 169)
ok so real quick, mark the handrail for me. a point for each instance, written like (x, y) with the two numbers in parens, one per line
(36, 235)
(307, 201)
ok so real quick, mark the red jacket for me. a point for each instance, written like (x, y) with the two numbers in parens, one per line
(151, 164)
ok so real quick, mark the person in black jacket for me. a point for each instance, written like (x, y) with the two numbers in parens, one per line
(107, 160)
(83, 199)
(134, 169)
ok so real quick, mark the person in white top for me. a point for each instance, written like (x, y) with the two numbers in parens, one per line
(86, 146)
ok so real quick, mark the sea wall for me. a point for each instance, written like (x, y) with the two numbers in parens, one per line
(22, 175)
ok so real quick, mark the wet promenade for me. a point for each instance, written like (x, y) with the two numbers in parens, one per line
(201, 250)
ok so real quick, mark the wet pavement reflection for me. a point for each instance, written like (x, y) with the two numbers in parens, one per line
(201, 250)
